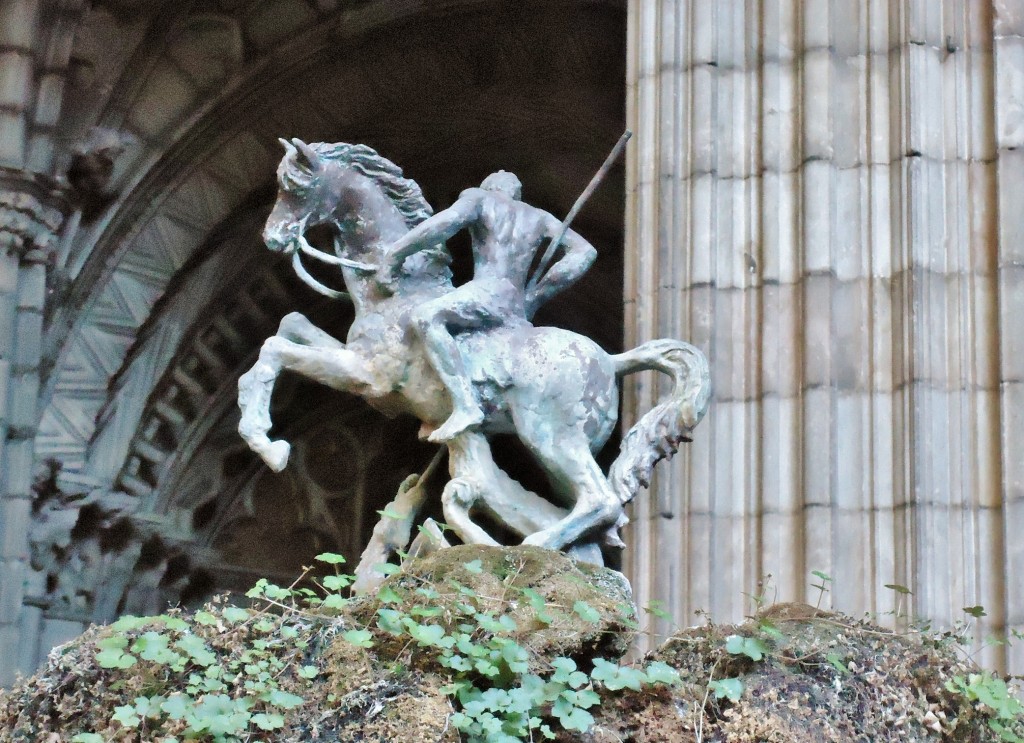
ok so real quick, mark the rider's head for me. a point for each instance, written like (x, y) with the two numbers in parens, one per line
(504, 182)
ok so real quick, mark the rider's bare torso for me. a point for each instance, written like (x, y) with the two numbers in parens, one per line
(503, 222)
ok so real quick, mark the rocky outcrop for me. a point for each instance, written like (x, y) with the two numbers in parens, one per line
(452, 632)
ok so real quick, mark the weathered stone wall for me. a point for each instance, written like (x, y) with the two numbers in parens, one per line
(826, 197)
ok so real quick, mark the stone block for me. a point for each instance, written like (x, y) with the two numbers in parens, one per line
(14, 528)
(816, 216)
(1011, 312)
(816, 350)
(817, 432)
(925, 24)
(23, 399)
(10, 644)
(703, 248)
(28, 341)
(5, 384)
(48, 99)
(850, 246)
(816, 23)
(15, 79)
(987, 445)
(981, 241)
(882, 150)
(12, 137)
(781, 447)
(705, 125)
(925, 130)
(978, 92)
(1009, 63)
(780, 254)
(779, 340)
(32, 288)
(780, 143)
(884, 257)
(16, 477)
(816, 97)
(779, 31)
(1011, 215)
(1008, 17)
(1013, 432)
(848, 83)
(926, 212)
(880, 337)
(30, 654)
(851, 349)
(12, 591)
(852, 455)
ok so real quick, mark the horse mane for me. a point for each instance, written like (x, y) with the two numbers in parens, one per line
(404, 193)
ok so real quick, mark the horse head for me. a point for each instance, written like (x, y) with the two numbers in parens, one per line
(362, 194)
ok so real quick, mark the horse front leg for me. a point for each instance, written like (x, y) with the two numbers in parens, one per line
(303, 348)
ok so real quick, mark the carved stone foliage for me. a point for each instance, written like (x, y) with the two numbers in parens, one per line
(29, 217)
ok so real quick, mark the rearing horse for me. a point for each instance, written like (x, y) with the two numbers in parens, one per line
(556, 390)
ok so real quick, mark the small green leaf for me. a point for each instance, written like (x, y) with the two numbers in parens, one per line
(386, 568)
(476, 566)
(660, 672)
(657, 609)
(129, 622)
(88, 738)
(837, 663)
(206, 618)
(283, 699)
(268, 721)
(976, 611)
(731, 688)
(388, 595)
(126, 715)
(387, 513)
(235, 614)
(337, 582)
(898, 588)
(114, 658)
(586, 612)
(331, 558)
(308, 672)
(362, 638)
(824, 576)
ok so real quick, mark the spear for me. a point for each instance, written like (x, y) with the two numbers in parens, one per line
(542, 267)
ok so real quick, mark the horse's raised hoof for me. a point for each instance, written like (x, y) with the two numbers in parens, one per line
(276, 455)
(543, 538)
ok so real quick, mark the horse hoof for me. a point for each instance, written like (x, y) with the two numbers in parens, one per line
(276, 455)
(541, 539)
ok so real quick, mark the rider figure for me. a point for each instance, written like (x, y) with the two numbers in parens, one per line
(506, 235)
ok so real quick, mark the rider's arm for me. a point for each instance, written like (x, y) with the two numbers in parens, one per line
(430, 231)
(579, 256)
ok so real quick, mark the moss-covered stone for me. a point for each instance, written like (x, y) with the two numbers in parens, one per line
(823, 677)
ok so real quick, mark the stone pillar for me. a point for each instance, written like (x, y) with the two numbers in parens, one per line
(28, 232)
(821, 195)
(36, 38)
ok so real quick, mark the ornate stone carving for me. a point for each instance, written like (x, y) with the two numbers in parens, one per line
(30, 213)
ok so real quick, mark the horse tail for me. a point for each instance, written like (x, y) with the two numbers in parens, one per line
(659, 432)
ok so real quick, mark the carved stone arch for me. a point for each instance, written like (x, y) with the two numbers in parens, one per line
(157, 276)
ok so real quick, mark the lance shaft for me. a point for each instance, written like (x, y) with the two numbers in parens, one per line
(542, 267)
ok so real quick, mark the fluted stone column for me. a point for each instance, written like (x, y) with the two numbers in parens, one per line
(826, 197)
(35, 44)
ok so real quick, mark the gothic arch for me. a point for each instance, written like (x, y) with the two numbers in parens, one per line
(169, 291)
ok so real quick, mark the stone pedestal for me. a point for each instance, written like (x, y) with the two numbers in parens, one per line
(825, 196)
